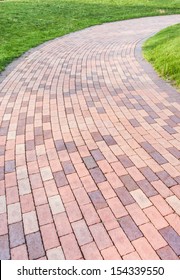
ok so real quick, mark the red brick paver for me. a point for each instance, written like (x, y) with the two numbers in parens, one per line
(89, 150)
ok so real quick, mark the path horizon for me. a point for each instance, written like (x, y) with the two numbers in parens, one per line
(89, 149)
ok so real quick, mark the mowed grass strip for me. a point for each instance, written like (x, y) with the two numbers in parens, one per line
(163, 52)
(27, 23)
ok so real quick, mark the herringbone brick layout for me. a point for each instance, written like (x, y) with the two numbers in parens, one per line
(89, 150)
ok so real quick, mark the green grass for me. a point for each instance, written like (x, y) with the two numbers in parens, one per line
(27, 23)
(163, 51)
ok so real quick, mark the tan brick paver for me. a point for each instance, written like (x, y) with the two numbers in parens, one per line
(89, 149)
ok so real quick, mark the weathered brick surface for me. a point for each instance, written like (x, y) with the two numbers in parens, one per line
(30, 222)
(172, 238)
(122, 243)
(97, 175)
(137, 214)
(144, 249)
(166, 253)
(90, 214)
(44, 214)
(49, 236)
(153, 236)
(19, 253)
(62, 224)
(124, 196)
(130, 228)
(98, 199)
(3, 224)
(55, 254)
(91, 252)
(4, 248)
(110, 253)
(100, 236)
(16, 234)
(82, 232)
(70, 247)
(35, 246)
(89, 150)
(155, 217)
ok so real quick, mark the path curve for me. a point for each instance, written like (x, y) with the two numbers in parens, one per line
(89, 150)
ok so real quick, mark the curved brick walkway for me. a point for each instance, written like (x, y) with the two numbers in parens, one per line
(89, 159)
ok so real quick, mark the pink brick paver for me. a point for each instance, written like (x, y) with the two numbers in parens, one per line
(89, 149)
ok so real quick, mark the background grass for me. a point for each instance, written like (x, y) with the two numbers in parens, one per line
(163, 51)
(27, 23)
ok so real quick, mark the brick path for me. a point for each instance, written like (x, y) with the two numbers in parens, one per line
(89, 151)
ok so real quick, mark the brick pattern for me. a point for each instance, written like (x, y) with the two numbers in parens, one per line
(89, 159)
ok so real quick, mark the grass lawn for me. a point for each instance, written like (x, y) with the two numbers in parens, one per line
(27, 23)
(163, 51)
